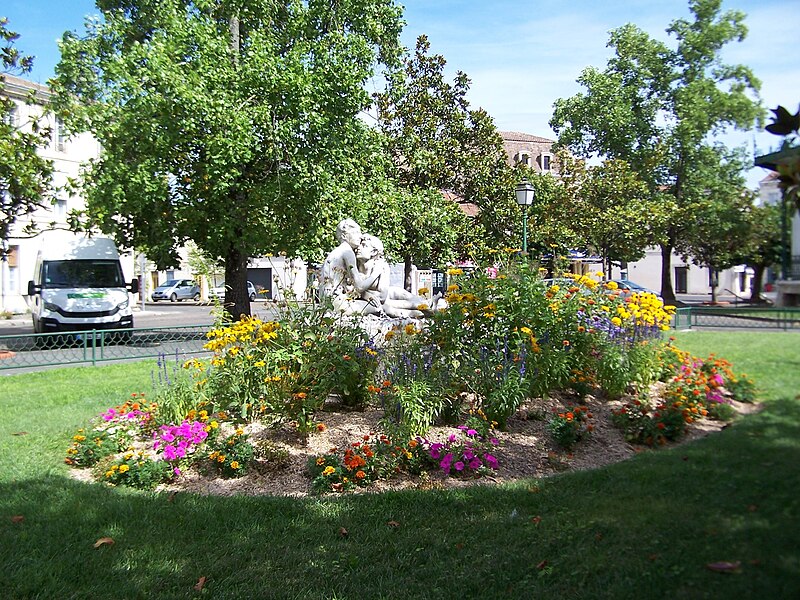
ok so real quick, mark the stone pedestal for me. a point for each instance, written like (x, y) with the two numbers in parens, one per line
(788, 293)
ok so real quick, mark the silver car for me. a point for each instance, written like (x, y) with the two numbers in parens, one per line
(176, 289)
(218, 292)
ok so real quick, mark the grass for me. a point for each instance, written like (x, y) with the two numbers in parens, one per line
(645, 528)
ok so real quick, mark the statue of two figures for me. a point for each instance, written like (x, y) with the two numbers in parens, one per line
(355, 277)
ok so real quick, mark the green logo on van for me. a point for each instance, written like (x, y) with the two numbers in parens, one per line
(87, 295)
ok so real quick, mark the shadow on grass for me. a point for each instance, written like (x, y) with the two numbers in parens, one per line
(645, 528)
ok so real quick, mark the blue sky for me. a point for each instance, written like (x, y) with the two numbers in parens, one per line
(520, 55)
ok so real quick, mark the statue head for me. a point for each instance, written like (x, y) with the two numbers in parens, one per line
(370, 247)
(348, 231)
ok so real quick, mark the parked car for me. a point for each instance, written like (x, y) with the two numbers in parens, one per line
(176, 289)
(628, 286)
(218, 292)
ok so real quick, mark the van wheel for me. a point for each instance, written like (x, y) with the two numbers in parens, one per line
(174, 297)
(196, 297)
(252, 297)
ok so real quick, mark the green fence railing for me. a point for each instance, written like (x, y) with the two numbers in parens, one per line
(95, 346)
(737, 318)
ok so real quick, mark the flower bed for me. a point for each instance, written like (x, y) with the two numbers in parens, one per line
(442, 399)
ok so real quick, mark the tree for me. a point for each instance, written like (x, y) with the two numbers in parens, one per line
(718, 216)
(436, 142)
(232, 124)
(25, 177)
(761, 246)
(656, 107)
(612, 214)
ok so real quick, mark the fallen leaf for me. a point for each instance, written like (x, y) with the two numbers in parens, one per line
(393, 524)
(756, 562)
(20, 433)
(725, 566)
(684, 458)
(459, 546)
(104, 541)
(343, 532)
(752, 508)
(17, 519)
(598, 536)
(200, 583)
(653, 557)
(541, 565)
(536, 520)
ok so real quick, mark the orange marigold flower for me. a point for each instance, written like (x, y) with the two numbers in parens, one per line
(360, 474)
(566, 342)
(321, 427)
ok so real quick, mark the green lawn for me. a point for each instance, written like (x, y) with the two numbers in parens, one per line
(645, 528)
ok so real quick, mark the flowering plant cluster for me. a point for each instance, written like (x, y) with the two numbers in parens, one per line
(285, 371)
(645, 424)
(231, 456)
(465, 455)
(570, 426)
(112, 431)
(355, 466)
(177, 443)
(134, 469)
(698, 388)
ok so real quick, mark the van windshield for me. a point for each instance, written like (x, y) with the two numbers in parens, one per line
(82, 273)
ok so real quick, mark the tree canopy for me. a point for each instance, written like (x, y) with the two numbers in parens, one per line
(436, 142)
(658, 107)
(232, 124)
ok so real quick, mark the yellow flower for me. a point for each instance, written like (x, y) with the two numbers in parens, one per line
(124, 468)
(616, 321)
(328, 470)
(455, 272)
(422, 291)
(321, 461)
(214, 424)
(234, 465)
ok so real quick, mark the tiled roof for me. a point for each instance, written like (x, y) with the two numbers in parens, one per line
(516, 136)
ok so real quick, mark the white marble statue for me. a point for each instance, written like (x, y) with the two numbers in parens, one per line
(395, 301)
(356, 278)
(340, 279)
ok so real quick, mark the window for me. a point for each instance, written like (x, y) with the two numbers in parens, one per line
(59, 136)
(12, 116)
(61, 208)
(13, 268)
(546, 158)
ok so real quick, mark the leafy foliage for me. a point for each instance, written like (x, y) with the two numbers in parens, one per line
(231, 125)
(656, 106)
(25, 177)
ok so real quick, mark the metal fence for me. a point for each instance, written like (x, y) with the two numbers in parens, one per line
(737, 318)
(96, 346)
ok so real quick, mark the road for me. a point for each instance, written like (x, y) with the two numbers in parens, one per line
(155, 314)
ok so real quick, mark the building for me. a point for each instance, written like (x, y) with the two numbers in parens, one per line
(67, 155)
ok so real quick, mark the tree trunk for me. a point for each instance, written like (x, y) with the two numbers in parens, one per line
(756, 284)
(237, 302)
(407, 273)
(667, 292)
(714, 283)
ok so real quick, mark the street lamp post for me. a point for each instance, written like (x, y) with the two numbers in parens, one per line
(525, 195)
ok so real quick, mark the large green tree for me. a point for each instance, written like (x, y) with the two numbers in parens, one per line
(435, 141)
(229, 123)
(658, 107)
(612, 213)
(25, 177)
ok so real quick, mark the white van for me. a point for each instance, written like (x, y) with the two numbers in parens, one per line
(78, 285)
